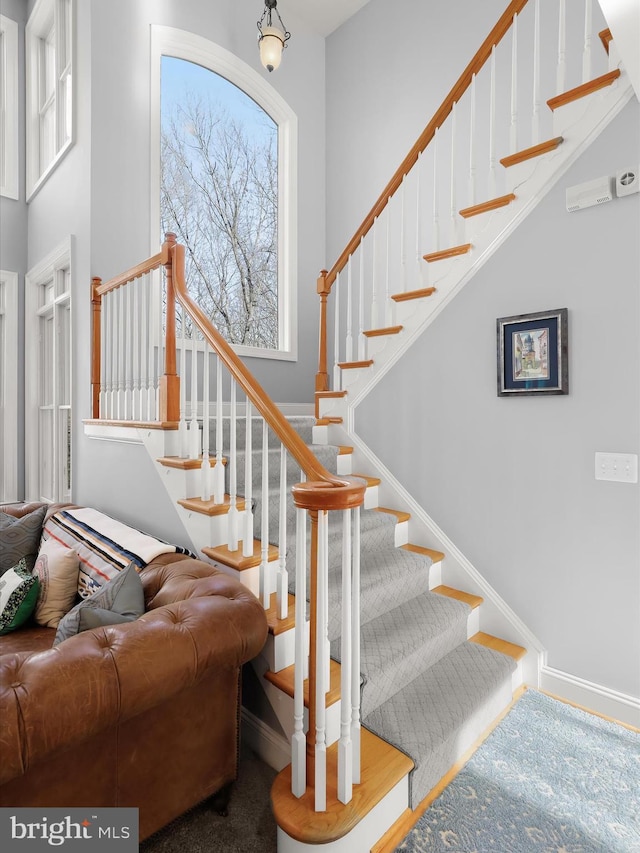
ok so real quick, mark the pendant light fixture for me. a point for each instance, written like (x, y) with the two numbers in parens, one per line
(272, 36)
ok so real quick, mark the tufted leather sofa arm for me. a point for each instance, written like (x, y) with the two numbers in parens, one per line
(198, 619)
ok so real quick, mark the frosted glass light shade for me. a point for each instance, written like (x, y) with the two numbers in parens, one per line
(271, 47)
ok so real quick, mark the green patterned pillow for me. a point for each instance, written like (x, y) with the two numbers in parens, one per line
(20, 537)
(18, 596)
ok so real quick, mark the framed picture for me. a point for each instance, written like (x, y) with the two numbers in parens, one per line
(533, 354)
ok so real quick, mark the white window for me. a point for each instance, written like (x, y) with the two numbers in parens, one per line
(49, 44)
(48, 378)
(9, 385)
(269, 138)
(8, 107)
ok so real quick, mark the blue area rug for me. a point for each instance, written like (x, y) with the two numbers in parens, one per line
(549, 779)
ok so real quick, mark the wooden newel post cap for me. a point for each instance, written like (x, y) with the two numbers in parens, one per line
(341, 493)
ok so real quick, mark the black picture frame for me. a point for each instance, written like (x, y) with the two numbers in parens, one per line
(533, 352)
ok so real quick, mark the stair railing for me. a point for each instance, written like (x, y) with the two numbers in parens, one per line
(138, 340)
(423, 213)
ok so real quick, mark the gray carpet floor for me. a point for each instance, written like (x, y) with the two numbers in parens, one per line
(248, 828)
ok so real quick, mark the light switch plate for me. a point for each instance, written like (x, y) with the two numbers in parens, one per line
(618, 467)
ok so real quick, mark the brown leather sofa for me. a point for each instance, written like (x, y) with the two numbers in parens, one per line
(142, 714)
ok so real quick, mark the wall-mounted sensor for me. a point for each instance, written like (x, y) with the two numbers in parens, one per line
(627, 181)
(589, 194)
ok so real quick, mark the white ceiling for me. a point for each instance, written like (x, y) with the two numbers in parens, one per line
(324, 16)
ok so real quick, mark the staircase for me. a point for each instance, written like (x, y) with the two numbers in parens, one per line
(410, 656)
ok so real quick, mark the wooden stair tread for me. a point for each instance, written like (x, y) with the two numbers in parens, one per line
(370, 481)
(382, 767)
(284, 680)
(467, 597)
(328, 394)
(355, 365)
(236, 559)
(344, 450)
(413, 294)
(186, 464)
(486, 206)
(168, 425)
(209, 507)
(584, 89)
(376, 333)
(327, 421)
(534, 151)
(436, 556)
(605, 37)
(452, 252)
(399, 514)
(276, 625)
(498, 645)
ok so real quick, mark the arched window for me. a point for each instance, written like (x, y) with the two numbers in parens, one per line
(226, 150)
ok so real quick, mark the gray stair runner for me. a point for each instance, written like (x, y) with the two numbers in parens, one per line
(425, 688)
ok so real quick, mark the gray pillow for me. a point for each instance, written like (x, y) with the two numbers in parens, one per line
(20, 538)
(120, 600)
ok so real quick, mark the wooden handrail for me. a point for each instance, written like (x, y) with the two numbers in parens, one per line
(322, 487)
(144, 267)
(464, 81)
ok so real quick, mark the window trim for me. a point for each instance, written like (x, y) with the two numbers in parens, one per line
(60, 258)
(169, 41)
(9, 145)
(9, 357)
(36, 29)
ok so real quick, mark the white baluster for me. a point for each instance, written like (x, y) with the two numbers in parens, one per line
(513, 135)
(336, 336)
(349, 338)
(298, 740)
(362, 340)
(355, 649)
(454, 208)
(206, 426)
(247, 539)
(535, 120)
(419, 262)
(218, 471)
(436, 214)
(561, 72)
(151, 403)
(345, 752)
(194, 429)
(374, 263)
(233, 472)
(403, 253)
(121, 347)
(586, 53)
(282, 587)
(472, 144)
(264, 526)
(387, 294)
(321, 666)
(493, 163)
(160, 352)
(128, 352)
(135, 392)
(183, 431)
(107, 339)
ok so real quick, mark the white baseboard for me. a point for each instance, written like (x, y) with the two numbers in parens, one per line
(593, 697)
(271, 747)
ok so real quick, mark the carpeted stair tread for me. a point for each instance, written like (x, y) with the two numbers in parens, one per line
(302, 424)
(404, 642)
(441, 713)
(380, 570)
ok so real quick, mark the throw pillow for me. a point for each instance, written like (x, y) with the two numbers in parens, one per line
(120, 600)
(20, 537)
(18, 596)
(57, 570)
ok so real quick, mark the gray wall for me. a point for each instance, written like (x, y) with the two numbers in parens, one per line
(510, 481)
(13, 224)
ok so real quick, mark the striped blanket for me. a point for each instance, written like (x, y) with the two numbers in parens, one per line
(104, 546)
